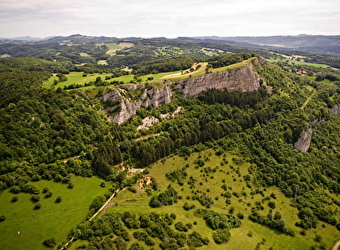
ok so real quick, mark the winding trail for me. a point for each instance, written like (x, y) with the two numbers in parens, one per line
(94, 216)
(308, 99)
(336, 246)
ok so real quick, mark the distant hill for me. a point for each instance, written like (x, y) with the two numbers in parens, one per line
(303, 43)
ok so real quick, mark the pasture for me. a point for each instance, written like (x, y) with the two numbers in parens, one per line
(80, 79)
(72, 78)
(230, 170)
(52, 219)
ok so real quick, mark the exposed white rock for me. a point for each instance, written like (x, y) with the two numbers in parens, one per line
(148, 122)
(239, 79)
(304, 140)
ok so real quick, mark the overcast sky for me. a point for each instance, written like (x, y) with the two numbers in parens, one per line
(168, 18)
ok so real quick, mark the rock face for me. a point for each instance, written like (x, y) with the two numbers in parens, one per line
(304, 140)
(241, 79)
(335, 110)
(129, 98)
(133, 97)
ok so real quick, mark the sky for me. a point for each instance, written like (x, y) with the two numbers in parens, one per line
(168, 18)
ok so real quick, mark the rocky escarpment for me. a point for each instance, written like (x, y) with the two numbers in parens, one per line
(240, 79)
(133, 97)
(130, 98)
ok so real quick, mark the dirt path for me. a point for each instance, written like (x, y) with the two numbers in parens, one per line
(336, 246)
(201, 69)
(105, 204)
(94, 216)
(308, 99)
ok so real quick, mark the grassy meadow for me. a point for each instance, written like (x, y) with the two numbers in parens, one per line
(113, 47)
(73, 78)
(295, 62)
(52, 219)
(79, 78)
(229, 170)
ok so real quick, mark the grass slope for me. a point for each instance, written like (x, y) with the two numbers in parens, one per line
(230, 172)
(73, 78)
(52, 219)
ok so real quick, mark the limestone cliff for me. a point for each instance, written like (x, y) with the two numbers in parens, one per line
(240, 79)
(304, 140)
(129, 98)
(133, 97)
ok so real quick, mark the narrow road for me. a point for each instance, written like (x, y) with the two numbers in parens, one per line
(94, 216)
(336, 246)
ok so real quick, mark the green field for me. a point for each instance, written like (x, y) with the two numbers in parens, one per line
(52, 219)
(232, 174)
(295, 62)
(73, 78)
(79, 78)
(202, 72)
(85, 54)
(113, 47)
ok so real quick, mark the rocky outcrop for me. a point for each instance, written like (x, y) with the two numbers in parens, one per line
(304, 140)
(133, 97)
(130, 98)
(335, 110)
(241, 79)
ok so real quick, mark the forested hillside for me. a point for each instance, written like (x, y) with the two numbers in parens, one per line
(211, 171)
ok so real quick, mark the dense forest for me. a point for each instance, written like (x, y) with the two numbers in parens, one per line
(50, 134)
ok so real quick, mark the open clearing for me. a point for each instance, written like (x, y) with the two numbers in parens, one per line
(113, 47)
(52, 219)
(73, 78)
(80, 79)
(231, 173)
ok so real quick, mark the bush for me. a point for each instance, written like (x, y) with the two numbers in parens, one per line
(15, 199)
(37, 206)
(50, 242)
(132, 189)
(2, 217)
(35, 198)
(221, 236)
(196, 240)
(181, 227)
(48, 194)
(58, 200)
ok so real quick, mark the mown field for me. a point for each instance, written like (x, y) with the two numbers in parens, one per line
(230, 170)
(52, 219)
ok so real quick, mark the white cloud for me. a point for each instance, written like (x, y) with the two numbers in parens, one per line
(169, 18)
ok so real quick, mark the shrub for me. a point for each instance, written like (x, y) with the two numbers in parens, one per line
(48, 194)
(35, 198)
(2, 217)
(50, 242)
(58, 200)
(15, 198)
(221, 236)
(37, 206)
(132, 189)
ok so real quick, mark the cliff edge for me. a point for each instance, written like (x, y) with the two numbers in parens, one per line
(131, 97)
